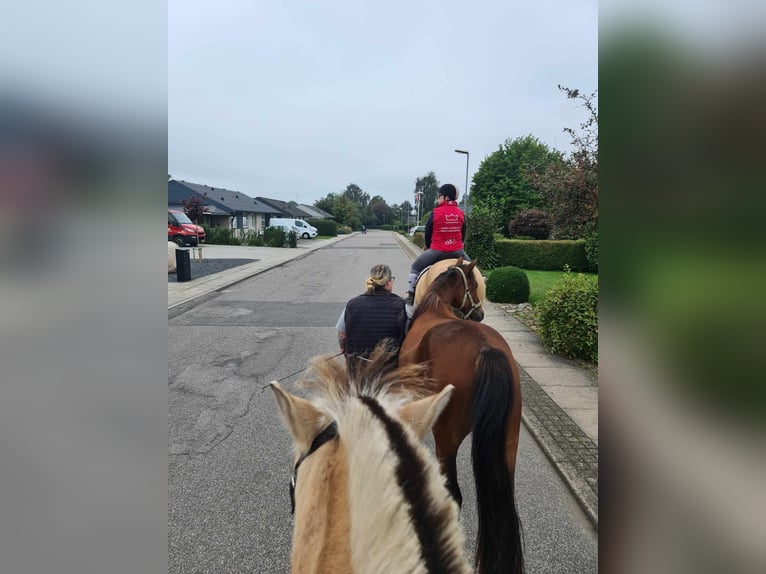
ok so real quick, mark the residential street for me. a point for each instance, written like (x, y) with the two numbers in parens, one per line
(229, 455)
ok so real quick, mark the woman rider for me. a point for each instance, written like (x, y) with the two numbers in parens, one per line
(445, 233)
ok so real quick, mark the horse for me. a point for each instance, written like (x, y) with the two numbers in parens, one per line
(477, 361)
(471, 307)
(368, 496)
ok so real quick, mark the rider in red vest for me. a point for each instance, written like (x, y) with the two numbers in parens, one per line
(445, 232)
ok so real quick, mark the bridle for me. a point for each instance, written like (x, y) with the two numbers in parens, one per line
(330, 432)
(466, 296)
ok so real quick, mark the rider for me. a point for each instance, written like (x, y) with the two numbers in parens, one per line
(372, 316)
(445, 233)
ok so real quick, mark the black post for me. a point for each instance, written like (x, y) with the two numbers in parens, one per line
(183, 265)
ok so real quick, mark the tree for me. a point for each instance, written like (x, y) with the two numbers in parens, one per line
(571, 186)
(194, 208)
(429, 186)
(380, 210)
(356, 195)
(326, 203)
(503, 184)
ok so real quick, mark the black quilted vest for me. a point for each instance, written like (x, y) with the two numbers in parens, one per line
(372, 317)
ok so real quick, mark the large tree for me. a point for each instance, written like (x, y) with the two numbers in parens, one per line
(504, 182)
(341, 207)
(571, 186)
(380, 210)
(428, 185)
(356, 195)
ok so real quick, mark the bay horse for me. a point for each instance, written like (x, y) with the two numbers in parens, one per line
(471, 305)
(477, 361)
(368, 496)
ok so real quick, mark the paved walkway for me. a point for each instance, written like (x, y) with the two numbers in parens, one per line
(560, 406)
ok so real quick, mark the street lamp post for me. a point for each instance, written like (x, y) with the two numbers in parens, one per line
(465, 191)
(418, 198)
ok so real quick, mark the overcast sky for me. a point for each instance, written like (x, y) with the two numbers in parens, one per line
(295, 100)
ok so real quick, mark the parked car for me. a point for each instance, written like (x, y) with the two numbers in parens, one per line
(303, 229)
(414, 230)
(182, 230)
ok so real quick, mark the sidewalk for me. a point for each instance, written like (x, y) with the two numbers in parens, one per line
(560, 399)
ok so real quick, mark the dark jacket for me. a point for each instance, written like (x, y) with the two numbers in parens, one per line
(372, 317)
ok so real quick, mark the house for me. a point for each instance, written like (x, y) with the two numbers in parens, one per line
(223, 208)
(286, 209)
(315, 212)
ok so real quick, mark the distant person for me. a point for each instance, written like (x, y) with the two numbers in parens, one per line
(364, 229)
(371, 317)
(444, 236)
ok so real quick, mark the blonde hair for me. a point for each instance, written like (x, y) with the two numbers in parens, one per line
(379, 276)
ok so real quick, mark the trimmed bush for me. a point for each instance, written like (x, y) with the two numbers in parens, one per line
(533, 223)
(274, 237)
(344, 230)
(508, 285)
(325, 226)
(220, 236)
(544, 255)
(252, 239)
(568, 318)
(419, 239)
(480, 244)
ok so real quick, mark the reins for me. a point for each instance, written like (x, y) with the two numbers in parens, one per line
(330, 432)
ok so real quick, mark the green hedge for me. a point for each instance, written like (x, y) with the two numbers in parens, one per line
(568, 318)
(220, 236)
(546, 255)
(324, 226)
(419, 239)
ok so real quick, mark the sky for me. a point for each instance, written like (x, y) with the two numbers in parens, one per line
(296, 100)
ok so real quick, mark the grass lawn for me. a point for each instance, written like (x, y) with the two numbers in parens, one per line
(540, 282)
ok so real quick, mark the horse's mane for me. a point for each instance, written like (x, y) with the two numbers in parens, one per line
(329, 379)
(431, 299)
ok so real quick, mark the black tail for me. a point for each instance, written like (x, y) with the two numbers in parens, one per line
(499, 544)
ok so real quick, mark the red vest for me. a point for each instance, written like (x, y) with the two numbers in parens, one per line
(447, 230)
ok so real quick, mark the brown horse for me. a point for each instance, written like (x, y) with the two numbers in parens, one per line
(369, 497)
(477, 361)
(471, 305)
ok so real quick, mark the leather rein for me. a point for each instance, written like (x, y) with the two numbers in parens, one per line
(330, 432)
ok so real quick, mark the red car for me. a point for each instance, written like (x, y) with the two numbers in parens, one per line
(182, 231)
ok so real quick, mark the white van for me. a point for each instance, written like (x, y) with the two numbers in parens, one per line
(303, 229)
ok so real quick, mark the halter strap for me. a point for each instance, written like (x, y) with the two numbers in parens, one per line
(330, 432)
(466, 295)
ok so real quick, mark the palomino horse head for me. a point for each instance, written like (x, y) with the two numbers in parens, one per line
(368, 496)
(459, 284)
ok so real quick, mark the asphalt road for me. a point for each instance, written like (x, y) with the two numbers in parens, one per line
(230, 458)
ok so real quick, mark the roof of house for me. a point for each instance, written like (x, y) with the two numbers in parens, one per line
(223, 200)
(316, 212)
(285, 208)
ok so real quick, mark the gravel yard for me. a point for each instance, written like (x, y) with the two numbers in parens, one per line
(210, 266)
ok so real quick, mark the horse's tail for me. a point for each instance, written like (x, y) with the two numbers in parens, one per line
(499, 543)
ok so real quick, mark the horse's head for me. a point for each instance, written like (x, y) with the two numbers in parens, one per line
(468, 293)
(353, 445)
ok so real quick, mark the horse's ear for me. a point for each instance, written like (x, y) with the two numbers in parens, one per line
(472, 265)
(459, 262)
(421, 415)
(301, 418)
